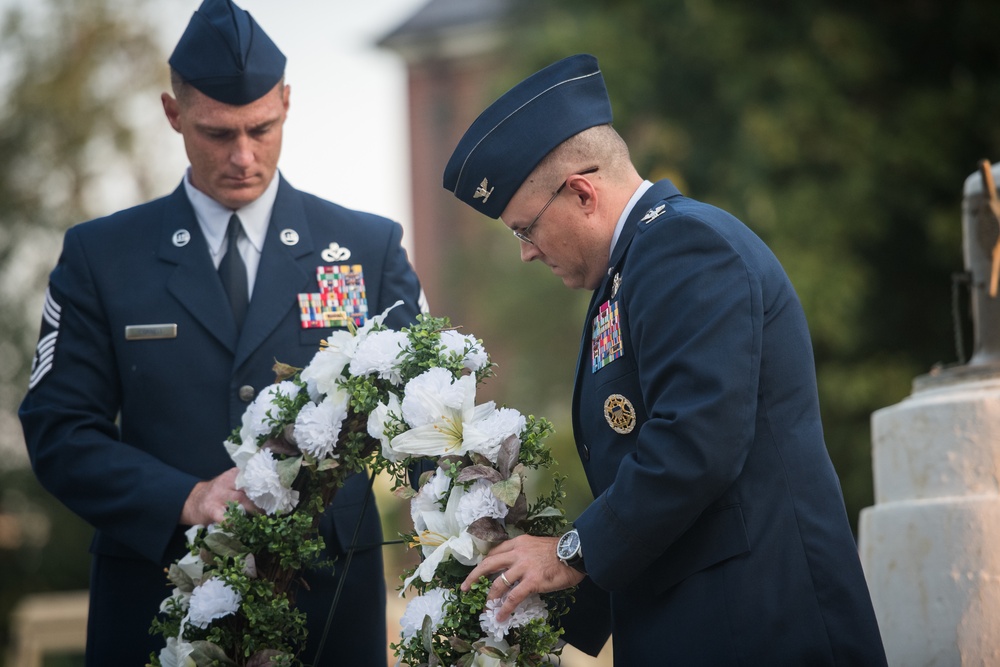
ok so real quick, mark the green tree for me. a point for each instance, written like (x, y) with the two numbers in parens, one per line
(72, 75)
(841, 132)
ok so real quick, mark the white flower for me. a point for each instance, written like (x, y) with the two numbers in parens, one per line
(213, 599)
(432, 603)
(487, 434)
(262, 485)
(478, 502)
(456, 344)
(378, 353)
(377, 421)
(256, 422)
(439, 410)
(176, 653)
(442, 535)
(531, 607)
(317, 427)
(428, 499)
(433, 392)
(378, 320)
(327, 365)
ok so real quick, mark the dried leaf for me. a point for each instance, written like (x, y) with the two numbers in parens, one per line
(327, 464)
(282, 445)
(479, 459)
(180, 578)
(507, 457)
(207, 654)
(519, 511)
(283, 372)
(404, 493)
(488, 529)
(460, 644)
(475, 472)
(264, 658)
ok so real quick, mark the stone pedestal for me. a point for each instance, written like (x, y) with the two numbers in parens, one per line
(930, 545)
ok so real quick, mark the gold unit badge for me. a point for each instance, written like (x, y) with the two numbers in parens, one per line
(620, 413)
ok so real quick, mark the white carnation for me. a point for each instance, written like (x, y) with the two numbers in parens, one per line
(317, 427)
(327, 365)
(479, 502)
(456, 344)
(433, 604)
(213, 599)
(427, 393)
(486, 435)
(530, 608)
(257, 419)
(378, 353)
(261, 483)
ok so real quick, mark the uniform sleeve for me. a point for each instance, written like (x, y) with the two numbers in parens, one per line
(694, 309)
(69, 419)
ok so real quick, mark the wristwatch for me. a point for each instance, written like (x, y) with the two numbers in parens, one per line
(570, 551)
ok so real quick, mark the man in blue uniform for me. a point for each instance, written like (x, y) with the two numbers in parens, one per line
(161, 324)
(718, 534)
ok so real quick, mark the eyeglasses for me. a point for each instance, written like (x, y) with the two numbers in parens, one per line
(522, 234)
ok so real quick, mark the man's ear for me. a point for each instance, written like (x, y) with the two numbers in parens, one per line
(172, 110)
(584, 193)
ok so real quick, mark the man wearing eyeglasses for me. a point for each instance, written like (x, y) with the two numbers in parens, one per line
(718, 533)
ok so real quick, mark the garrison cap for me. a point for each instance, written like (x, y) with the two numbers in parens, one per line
(508, 140)
(226, 55)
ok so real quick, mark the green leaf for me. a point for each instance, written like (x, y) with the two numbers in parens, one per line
(224, 544)
(207, 654)
(508, 490)
(288, 470)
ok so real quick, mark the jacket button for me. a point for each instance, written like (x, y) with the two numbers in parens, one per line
(246, 393)
(584, 452)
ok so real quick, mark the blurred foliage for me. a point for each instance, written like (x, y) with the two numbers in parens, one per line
(71, 74)
(841, 132)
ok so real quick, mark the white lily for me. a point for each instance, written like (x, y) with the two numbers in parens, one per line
(442, 535)
(440, 410)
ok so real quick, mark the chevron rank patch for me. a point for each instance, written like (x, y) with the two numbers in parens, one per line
(45, 352)
(341, 297)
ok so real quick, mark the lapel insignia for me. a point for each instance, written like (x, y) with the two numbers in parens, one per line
(341, 297)
(616, 284)
(619, 413)
(181, 238)
(335, 253)
(653, 213)
(482, 192)
(290, 237)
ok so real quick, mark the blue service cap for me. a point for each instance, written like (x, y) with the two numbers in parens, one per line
(508, 140)
(226, 55)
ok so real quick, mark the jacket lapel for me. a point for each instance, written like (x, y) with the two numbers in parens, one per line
(194, 282)
(279, 276)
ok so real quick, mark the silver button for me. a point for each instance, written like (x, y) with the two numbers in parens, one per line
(247, 393)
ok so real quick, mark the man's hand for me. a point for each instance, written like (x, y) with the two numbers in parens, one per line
(530, 564)
(207, 501)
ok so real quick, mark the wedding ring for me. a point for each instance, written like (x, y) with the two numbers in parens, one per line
(503, 578)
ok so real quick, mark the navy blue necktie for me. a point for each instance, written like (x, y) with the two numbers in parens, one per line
(233, 272)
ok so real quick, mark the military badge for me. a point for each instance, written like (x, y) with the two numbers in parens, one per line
(653, 213)
(335, 253)
(341, 298)
(606, 338)
(616, 284)
(289, 237)
(619, 413)
(181, 238)
(482, 192)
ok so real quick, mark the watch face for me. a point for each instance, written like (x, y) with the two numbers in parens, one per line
(569, 545)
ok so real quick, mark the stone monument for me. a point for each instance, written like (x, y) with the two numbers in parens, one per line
(930, 545)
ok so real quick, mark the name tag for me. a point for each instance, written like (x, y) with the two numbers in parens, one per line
(150, 331)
